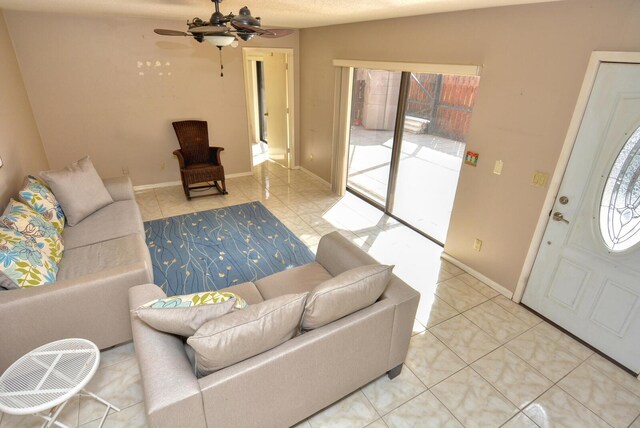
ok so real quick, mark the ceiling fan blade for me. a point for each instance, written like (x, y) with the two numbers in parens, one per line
(273, 33)
(209, 29)
(247, 28)
(164, 32)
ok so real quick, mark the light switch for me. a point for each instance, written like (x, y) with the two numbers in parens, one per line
(497, 168)
(540, 179)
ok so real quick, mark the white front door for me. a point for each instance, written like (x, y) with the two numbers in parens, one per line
(586, 276)
(276, 94)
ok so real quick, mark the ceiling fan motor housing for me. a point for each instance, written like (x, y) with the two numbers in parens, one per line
(246, 18)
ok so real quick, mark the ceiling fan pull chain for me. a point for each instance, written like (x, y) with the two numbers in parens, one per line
(221, 66)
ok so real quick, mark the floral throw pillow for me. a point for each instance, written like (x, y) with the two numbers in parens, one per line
(38, 196)
(196, 299)
(22, 218)
(23, 262)
(183, 315)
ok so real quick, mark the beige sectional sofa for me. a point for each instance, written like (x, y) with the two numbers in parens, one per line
(105, 254)
(292, 381)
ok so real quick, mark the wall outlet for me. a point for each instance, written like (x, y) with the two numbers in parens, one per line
(477, 244)
(163, 165)
(125, 170)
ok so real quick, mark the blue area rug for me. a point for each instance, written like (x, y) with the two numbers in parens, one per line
(211, 250)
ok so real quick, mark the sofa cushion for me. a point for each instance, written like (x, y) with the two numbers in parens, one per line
(248, 291)
(296, 280)
(23, 262)
(344, 294)
(183, 315)
(79, 189)
(22, 218)
(38, 196)
(116, 220)
(243, 334)
(101, 256)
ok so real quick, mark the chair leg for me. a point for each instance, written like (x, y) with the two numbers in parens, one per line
(185, 188)
(224, 187)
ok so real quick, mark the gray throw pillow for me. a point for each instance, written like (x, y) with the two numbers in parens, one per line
(243, 334)
(344, 294)
(79, 190)
(183, 321)
(7, 283)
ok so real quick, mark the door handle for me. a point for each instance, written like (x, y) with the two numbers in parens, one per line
(266, 114)
(557, 216)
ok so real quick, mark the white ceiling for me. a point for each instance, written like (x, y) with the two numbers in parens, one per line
(281, 13)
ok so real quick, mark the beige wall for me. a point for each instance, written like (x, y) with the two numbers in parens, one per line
(20, 146)
(109, 87)
(533, 58)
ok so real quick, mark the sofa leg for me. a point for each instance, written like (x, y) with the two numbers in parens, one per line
(394, 372)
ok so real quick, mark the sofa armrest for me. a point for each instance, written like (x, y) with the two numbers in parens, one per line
(405, 299)
(93, 306)
(120, 188)
(171, 389)
(337, 254)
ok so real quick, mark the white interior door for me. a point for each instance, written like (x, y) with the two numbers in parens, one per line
(276, 94)
(586, 276)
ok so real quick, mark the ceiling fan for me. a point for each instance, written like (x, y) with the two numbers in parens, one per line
(223, 30)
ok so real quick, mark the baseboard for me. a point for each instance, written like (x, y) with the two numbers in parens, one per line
(179, 183)
(322, 180)
(156, 185)
(474, 273)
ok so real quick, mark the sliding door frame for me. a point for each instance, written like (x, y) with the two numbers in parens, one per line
(342, 114)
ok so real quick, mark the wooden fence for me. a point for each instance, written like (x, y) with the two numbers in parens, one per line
(446, 100)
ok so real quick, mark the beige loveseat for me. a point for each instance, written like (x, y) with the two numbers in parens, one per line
(103, 256)
(292, 381)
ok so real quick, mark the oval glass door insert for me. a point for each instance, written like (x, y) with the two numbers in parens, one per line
(620, 203)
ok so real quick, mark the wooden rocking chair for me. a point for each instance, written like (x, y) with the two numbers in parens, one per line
(199, 163)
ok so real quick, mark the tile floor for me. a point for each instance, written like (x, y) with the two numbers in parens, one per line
(476, 359)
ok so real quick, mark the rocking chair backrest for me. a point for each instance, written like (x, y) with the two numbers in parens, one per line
(193, 136)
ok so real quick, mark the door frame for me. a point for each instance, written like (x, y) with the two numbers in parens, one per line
(249, 56)
(597, 58)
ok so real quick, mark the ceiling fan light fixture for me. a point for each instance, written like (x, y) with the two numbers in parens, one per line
(220, 41)
(246, 36)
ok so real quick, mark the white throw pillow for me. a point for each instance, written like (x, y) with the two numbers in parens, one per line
(79, 190)
(242, 334)
(344, 294)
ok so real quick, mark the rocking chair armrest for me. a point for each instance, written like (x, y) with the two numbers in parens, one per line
(214, 155)
(178, 154)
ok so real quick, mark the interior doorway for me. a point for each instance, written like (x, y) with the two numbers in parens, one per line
(263, 132)
(270, 104)
(406, 143)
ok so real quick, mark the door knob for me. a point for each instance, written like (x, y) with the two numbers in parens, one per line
(557, 216)
(266, 114)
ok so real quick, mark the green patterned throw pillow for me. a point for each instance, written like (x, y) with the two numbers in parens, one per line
(22, 218)
(38, 196)
(23, 262)
(183, 315)
(196, 299)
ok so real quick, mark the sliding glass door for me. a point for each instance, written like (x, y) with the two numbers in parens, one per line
(407, 141)
(373, 117)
